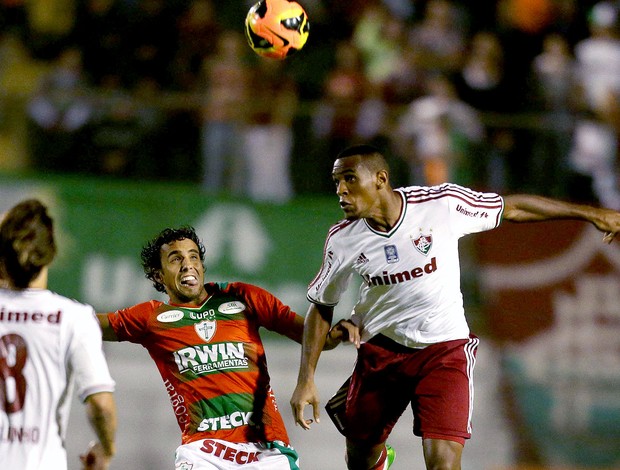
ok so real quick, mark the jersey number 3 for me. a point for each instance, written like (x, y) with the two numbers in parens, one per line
(13, 355)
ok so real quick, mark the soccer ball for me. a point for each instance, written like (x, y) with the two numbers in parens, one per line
(276, 28)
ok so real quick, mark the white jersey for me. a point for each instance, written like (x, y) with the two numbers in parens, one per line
(49, 345)
(410, 289)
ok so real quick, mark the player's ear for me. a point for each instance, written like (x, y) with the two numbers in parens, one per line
(382, 179)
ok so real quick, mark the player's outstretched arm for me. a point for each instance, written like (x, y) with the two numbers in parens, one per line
(107, 332)
(317, 325)
(530, 208)
(101, 411)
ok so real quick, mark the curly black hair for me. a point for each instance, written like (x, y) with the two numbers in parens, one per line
(151, 253)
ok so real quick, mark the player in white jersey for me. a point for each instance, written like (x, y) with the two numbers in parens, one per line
(49, 346)
(416, 348)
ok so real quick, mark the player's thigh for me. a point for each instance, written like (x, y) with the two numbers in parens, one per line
(443, 401)
(378, 396)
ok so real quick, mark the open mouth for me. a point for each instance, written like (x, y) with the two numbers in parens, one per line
(189, 280)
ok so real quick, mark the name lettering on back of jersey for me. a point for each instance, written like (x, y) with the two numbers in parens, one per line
(387, 278)
(230, 308)
(391, 254)
(423, 243)
(469, 213)
(30, 317)
(210, 358)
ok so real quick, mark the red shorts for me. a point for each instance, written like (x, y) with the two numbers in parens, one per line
(436, 381)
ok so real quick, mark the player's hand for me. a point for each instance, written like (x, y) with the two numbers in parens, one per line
(95, 458)
(608, 222)
(345, 331)
(305, 394)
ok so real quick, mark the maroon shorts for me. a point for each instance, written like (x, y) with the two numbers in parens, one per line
(436, 381)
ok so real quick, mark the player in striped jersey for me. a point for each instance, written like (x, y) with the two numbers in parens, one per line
(417, 349)
(205, 342)
(50, 346)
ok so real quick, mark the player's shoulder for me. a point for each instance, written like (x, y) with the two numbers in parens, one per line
(56, 300)
(446, 192)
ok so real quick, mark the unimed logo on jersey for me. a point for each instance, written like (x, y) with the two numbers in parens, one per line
(387, 278)
(210, 358)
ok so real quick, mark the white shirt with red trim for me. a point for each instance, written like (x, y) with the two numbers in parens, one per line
(410, 276)
(49, 346)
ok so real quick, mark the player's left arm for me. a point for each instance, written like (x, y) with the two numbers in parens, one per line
(531, 208)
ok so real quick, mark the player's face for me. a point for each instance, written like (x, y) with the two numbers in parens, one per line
(356, 187)
(182, 272)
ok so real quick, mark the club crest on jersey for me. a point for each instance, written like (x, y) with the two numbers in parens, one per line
(423, 243)
(391, 254)
(184, 466)
(206, 329)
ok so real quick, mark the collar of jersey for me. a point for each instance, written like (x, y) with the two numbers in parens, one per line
(191, 307)
(398, 223)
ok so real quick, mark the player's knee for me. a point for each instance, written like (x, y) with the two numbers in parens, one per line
(361, 456)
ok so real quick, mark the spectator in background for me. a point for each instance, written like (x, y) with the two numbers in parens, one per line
(483, 83)
(152, 41)
(197, 31)
(595, 145)
(227, 89)
(439, 133)
(440, 37)
(101, 33)
(60, 112)
(268, 133)
(344, 90)
(552, 84)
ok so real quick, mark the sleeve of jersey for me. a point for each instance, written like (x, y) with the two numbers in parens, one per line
(474, 211)
(270, 311)
(131, 324)
(333, 278)
(86, 356)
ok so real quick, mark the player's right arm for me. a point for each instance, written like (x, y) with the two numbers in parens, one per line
(107, 332)
(101, 411)
(316, 327)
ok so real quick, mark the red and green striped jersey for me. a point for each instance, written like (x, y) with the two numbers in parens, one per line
(212, 360)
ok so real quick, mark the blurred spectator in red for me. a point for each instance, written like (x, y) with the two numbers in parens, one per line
(344, 90)
(268, 133)
(227, 87)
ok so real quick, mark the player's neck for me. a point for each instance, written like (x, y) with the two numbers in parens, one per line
(388, 214)
(39, 282)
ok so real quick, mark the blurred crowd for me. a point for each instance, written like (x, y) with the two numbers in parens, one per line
(502, 95)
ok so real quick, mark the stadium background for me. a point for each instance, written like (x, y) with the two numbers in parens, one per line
(104, 106)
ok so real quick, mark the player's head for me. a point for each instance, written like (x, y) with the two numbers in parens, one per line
(156, 252)
(26, 243)
(361, 176)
